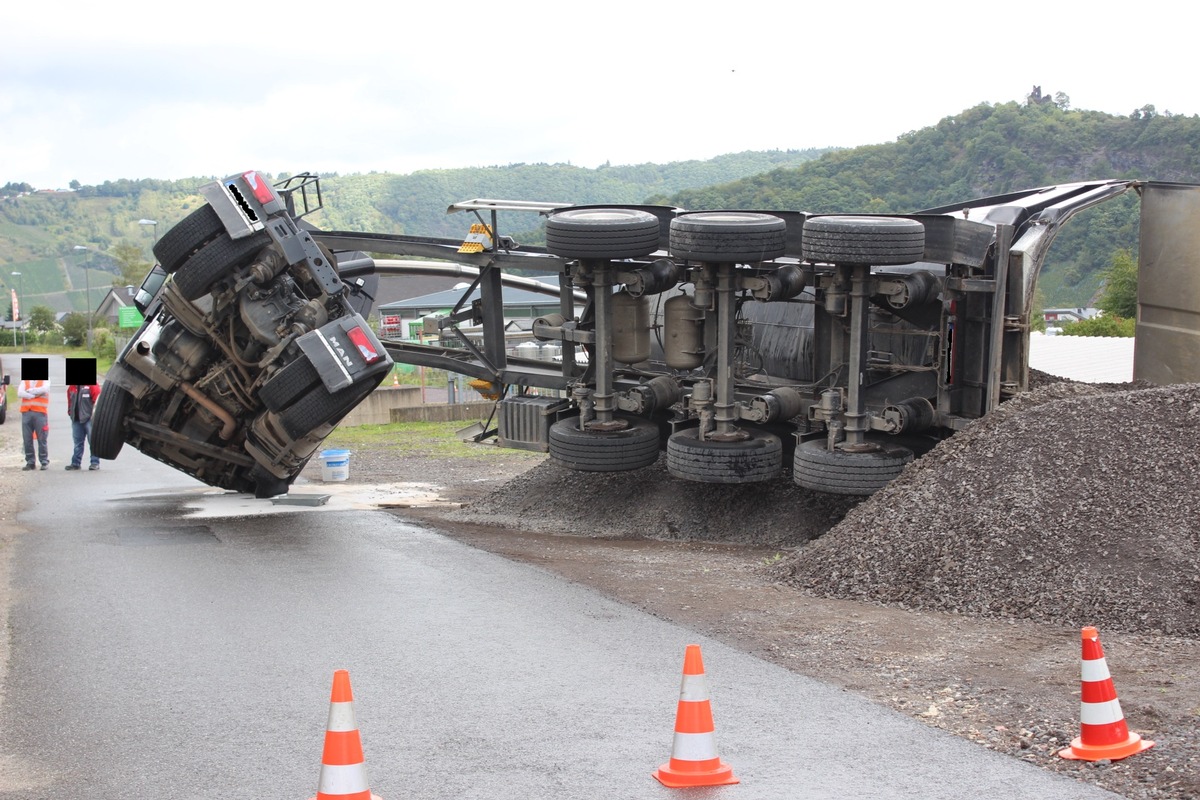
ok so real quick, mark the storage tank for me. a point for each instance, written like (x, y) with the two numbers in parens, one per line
(631, 328)
(1167, 347)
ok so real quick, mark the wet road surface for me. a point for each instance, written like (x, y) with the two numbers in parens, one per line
(159, 651)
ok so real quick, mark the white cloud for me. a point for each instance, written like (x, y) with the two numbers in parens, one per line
(98, 92)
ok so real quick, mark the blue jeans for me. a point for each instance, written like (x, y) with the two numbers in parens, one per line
(81, 431)
(35, 421)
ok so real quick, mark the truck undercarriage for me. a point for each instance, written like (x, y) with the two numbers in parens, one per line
(746, 344)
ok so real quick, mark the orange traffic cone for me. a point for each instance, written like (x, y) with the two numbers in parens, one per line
(395, 379)
(694, 759)
(343, 776)
(1102, 730)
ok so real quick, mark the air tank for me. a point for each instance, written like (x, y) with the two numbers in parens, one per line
(683, 333)
(631, 328)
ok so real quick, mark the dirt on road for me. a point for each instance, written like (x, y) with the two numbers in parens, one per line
(842, 590)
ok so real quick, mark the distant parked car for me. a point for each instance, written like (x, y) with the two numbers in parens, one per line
(252, 348)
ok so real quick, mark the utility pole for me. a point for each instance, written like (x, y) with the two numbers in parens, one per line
(87, 282)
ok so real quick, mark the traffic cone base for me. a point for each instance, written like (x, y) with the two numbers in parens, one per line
(1078, 751)
(720, 775)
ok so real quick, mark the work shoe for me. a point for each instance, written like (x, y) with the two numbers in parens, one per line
(45, 466)
(27, 467)
(71, 466)
(94, 466)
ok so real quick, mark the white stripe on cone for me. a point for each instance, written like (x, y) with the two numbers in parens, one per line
(342, 779)
(1094, 670)
(694, 747)
(693, 689)
(1100, 713)
(341, 717)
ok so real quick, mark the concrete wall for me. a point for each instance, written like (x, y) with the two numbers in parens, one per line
(443, 412)
(377, 408)
(403, 404)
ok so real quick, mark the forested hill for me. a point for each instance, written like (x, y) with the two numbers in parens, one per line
(989, 150)
(50, 237)
(416, 203)
(985, 150)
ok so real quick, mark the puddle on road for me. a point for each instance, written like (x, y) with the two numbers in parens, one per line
(209, 503)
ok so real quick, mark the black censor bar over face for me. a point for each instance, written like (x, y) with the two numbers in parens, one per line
(80, 371)
(36, 369)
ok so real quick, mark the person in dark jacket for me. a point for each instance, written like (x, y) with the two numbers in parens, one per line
(80, 402)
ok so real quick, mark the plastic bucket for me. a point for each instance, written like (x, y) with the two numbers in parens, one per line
(335, 465)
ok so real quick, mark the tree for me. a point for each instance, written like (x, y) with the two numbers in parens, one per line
(130, 262)
(74, 327)
(41, 319)
(1102, 325)
(1119, 298)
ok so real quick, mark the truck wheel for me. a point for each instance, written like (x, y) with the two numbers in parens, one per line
(266, 484)
(878, 241)
(759, 458)
(320, 407)
(196, 230)
(840, 472)
(634, 447)
(294, 380)
(108, 421)
(734, 237)
(602, 233)
(215, 260)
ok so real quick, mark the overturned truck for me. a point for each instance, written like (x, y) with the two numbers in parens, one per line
(746, 344)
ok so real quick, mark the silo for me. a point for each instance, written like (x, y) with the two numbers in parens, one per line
(1167, 348)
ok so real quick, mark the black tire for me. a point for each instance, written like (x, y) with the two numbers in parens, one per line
(736, 237)
(215, 260)
(602, 233)
(319, 407)
(3, 413)
(296, 379)
(878, 241)
(108, 421)
(633, 447)
(196, 230)
(753, 460)
(840, 472)
(266, 484)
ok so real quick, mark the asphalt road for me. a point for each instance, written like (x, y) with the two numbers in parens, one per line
(166, 644)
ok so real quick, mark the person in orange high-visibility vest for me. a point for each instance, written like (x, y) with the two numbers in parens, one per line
(35, 417)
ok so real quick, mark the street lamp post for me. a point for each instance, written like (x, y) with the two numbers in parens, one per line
(151, 222)
(20, 300)
(16, 307)
(87, 283)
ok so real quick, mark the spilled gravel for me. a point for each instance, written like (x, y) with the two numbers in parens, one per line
(1073, 504)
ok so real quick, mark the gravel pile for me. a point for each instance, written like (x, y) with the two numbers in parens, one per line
(1074, 504)
(650, 503)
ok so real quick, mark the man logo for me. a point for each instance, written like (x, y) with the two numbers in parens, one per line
(341, 351)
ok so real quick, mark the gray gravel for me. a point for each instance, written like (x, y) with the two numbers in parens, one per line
(651, 503)
(1074, 504)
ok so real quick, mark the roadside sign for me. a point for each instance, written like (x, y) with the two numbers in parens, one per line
(129, 317)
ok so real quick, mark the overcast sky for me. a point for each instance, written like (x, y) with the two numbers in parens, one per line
(120, 89)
